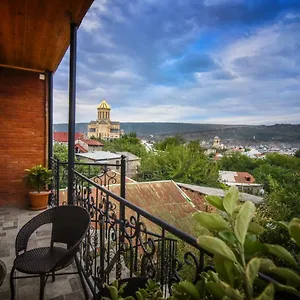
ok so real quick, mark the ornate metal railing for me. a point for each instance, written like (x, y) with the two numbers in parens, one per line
(125, 240)
(121, 245)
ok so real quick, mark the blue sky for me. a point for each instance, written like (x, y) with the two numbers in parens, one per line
(200, 61)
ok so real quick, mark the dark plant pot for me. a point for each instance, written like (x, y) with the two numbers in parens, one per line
(133, 285)
(38, 200)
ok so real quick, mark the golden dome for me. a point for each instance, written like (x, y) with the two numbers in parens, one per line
(103, 105)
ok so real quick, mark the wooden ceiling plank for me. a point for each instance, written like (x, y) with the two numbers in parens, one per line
(6, 45)
(34, 34)
(20, 32)
(59, 36)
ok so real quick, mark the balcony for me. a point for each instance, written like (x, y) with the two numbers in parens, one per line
(124, 240)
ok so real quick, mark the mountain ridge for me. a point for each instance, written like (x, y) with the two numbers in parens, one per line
(157, 130)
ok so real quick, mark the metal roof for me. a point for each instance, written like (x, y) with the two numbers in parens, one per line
(99, 155)
(129, 155)
(219, 192)
(163, 199)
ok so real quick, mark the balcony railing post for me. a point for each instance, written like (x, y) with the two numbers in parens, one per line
(57, 181)
(50, 117)
(122, 216)
(123, 177)
(72, 107)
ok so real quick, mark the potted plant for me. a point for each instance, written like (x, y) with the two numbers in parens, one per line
(38, 178)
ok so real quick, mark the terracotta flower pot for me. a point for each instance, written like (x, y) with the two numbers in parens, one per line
(38, 200)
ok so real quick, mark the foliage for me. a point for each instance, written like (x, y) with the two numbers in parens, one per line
(297, 153)
(181, 163)
(38, 177)
(238, 162)
(152, 291)
(128, 143)
(235, 249)
(169, 142)
(280, 176)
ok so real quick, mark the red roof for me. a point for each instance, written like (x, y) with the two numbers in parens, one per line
(62, 137)
(80, 148)
(92, 142)
(244, 177)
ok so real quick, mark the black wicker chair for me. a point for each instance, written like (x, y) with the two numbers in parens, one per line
(69, 226)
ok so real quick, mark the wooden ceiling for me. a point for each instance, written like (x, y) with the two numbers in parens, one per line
(35, 34)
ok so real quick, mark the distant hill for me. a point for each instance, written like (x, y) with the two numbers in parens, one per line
(281, 133)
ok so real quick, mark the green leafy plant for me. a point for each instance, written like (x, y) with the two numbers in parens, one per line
(152, 291)
(238, 254)
(38, 177)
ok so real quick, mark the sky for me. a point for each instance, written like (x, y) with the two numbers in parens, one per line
(195, 61)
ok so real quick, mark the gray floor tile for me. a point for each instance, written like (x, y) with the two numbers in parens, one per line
(78, 295)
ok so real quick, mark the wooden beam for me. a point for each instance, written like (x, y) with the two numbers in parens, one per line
(22, 68)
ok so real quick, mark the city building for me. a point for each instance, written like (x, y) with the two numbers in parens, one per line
(133, 163)
(244, 181)
(217, 143)
(103, 127)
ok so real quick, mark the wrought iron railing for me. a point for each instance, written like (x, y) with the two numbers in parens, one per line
(125, 240)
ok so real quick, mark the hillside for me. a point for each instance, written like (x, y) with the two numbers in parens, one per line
(278, 133)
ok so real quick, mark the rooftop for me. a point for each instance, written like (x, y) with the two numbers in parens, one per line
(62, 137)
(103, 105)
(163, 199)
(129, 155)
(92, 142)
(219, 192)
(99, 155)
(236, 177)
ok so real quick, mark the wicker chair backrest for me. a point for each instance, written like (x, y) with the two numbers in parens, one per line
(31, 226)
(70, 223)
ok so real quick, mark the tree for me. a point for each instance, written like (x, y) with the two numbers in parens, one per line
(297, 153)
(238, 162)
(128, 143)
(169, 142)
(180, 163)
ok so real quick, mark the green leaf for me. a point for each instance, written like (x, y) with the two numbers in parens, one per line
(283, 224)
(215, 201)
(190, 289)
(294, 230)
(281, 253)
(266, 264)
(267, 294)
(255, 228)
(252, 246)
(287, 274)
(211, 221)
(286, 288)
(242, 221)
(214, 289)
(139, 296)
(252, 269)
(230, 199)
(228, 291)
(216, 246)
(228, 236)
(113, 292)
(226, 269)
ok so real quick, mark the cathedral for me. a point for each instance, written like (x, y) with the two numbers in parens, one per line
(103, 127)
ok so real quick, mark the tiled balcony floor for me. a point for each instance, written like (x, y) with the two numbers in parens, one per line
(65, 287)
